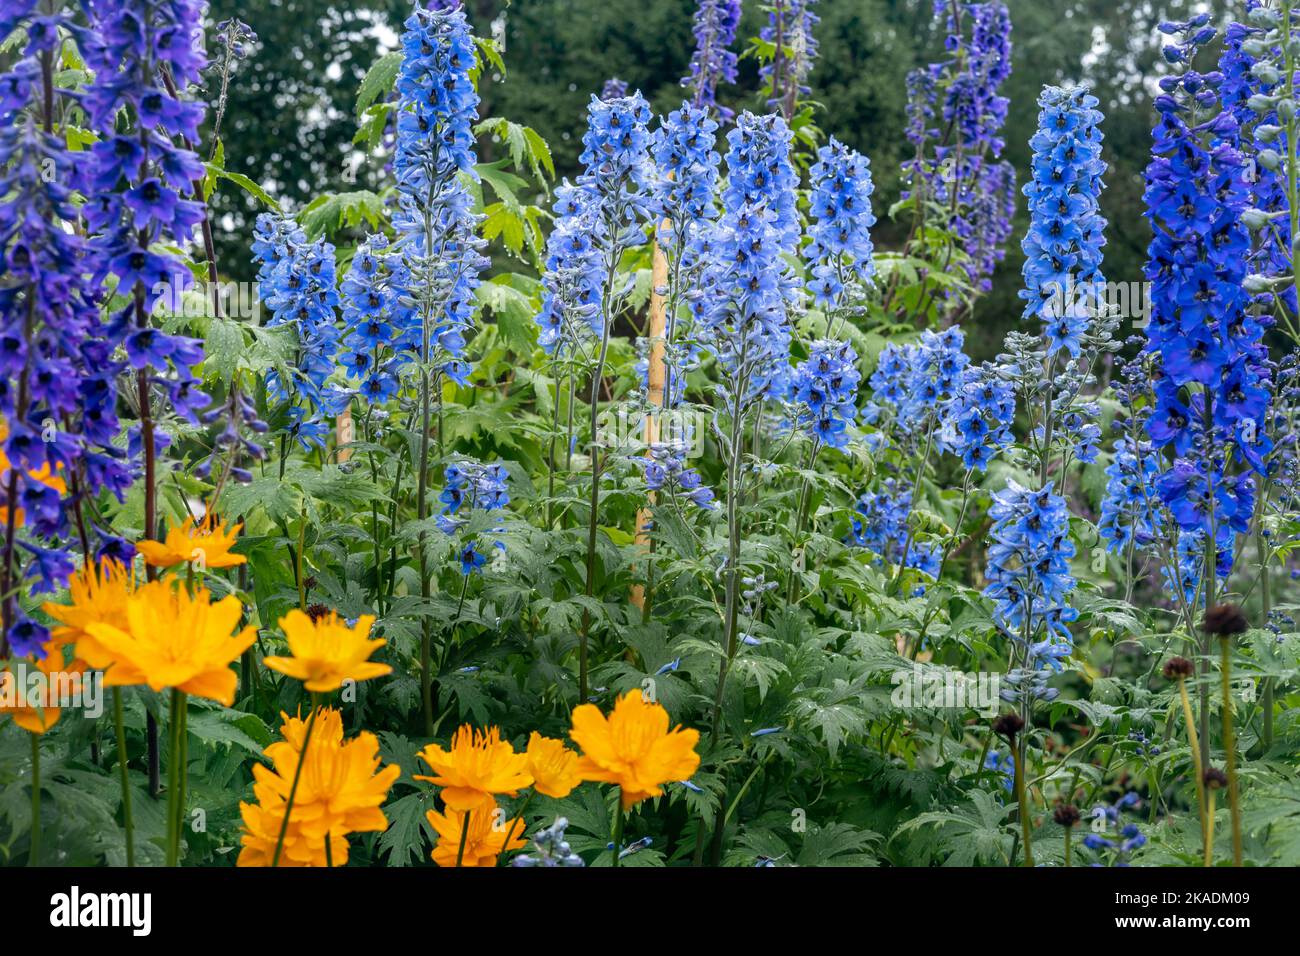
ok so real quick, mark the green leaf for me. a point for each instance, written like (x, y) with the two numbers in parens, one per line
(379, 79)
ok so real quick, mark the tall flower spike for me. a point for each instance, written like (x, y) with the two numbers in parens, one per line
(58, 399)
(744, 320)
(789, 28)
(136, 178)
(1210, 389)
(713, 61)
(1063, 279)
(1029, 575)
(436, 227)
(840, 250)
(296, 281)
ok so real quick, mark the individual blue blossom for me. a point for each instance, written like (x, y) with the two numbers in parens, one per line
(28, 637)
(713, 61)
(824, 389)
(1063, 246)
(841, 247)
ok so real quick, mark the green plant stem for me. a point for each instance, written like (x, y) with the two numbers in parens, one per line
(618, 825)
(464, 836)
(1209, 828)
(175, 776)
(1023, 803)
(1197, 767)
(119, 728)
(1230, 746)
(1266, 597)
(1069, 831)
(293, 788)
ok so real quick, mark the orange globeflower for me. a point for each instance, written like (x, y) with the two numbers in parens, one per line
(478, 765)
(207, 544)
(340, 791)
(633, 748)
(99, 594)
(38, 715)
(488, 836)
(173, 639)
(326, 652)
(553, 766)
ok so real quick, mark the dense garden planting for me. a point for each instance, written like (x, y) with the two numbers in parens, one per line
(654, 514)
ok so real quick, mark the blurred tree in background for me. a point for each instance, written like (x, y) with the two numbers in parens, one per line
(290, 119)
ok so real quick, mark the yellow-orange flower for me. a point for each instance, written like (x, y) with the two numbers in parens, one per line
(485, 839)
(99, 594)
(326, 652)
(340, 792)
(37, 715)
(173, 639)
(478, 765)
(553, 766)
(208, 544)
(633, 748)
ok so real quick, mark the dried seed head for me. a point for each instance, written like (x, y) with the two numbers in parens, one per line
(317, 611)
(1008, 725)
(1179, 668)
(1066, 814)
(1225, 620)
(1215, 779)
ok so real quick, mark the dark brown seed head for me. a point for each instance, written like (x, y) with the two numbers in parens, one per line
(1225, 620)
(1179, 668)
(317, 611)
(1066, 814)
(1215, 779)
(1008, 725)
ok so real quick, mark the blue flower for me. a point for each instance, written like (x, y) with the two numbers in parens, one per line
(842, 220)
(824, 389)
(712, 62)
(1029, 570)
(1062, 248)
